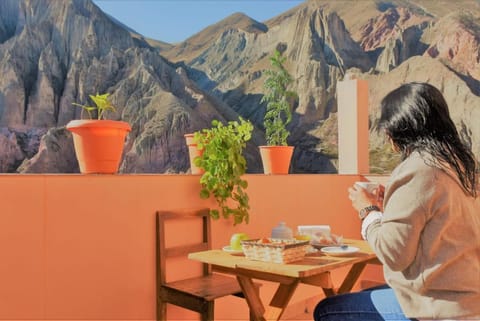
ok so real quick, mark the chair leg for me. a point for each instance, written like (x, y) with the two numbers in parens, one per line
(161, 310)
(207, 314)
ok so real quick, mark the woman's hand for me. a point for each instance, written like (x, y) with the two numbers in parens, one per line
(362, 198)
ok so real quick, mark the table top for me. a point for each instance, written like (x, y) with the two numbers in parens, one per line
(312, 264)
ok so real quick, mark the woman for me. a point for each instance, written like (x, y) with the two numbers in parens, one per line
(426, 232)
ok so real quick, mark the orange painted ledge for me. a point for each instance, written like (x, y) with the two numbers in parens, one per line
(82, 246)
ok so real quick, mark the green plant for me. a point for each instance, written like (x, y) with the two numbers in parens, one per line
(102, 105)
(224, 164)
(279, 101)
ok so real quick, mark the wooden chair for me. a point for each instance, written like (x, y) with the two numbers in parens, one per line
(196, 293)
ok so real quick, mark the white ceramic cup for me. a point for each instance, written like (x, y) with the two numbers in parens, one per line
(369, 186)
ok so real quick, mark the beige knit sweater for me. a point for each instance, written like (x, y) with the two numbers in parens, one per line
(429, 242)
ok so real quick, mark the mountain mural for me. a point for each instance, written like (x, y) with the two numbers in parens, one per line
(54, 53)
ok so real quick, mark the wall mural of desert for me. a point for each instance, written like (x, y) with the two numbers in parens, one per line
(55, 53)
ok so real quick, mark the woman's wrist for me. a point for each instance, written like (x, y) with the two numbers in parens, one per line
(371, 218)
(366, 210)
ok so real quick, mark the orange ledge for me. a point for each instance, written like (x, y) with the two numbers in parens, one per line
(82, 246)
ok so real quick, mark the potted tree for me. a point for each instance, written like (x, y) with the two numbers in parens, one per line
(223, 166)
(276, 156)
(98, 142)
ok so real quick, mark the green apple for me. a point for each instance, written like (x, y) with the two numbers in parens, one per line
(235, 241)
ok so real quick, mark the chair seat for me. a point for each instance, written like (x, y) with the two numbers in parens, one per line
(208, 287)
(197, 293)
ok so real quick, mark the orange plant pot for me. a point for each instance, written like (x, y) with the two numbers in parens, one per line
(98, 144)
(193, 152)
(276, 159)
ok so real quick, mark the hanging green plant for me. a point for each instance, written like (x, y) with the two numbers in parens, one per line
(224, 165)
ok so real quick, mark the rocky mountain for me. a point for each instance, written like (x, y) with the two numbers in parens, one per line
(53, 53)
(324, 40)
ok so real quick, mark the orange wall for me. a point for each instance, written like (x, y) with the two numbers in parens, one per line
(82, 246)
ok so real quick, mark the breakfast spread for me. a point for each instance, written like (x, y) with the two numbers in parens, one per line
(326, 240)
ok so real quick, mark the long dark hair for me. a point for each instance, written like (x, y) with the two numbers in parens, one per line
(416, 117)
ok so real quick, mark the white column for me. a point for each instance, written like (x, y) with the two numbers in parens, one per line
(352, 98)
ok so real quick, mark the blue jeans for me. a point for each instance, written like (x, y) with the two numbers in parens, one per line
(375, 304)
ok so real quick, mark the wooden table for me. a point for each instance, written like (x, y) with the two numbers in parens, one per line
(314, 269)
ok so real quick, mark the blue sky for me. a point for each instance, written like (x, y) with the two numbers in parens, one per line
(176, 20)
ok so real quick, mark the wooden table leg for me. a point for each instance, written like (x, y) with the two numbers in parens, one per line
(329, 292)
(252, 297)
(351, 277)
(280, 300)
(278, 304)
(323, 281)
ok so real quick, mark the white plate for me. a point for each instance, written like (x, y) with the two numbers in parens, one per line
(339, 251)
(319, 246)
(229, 249)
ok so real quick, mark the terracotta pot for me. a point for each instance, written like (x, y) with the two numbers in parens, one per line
(276, 159)
(193, 152)
(98, 144)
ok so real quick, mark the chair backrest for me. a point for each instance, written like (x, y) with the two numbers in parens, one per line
(164, 251)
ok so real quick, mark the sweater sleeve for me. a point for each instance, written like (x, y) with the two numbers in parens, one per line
(395, 239)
